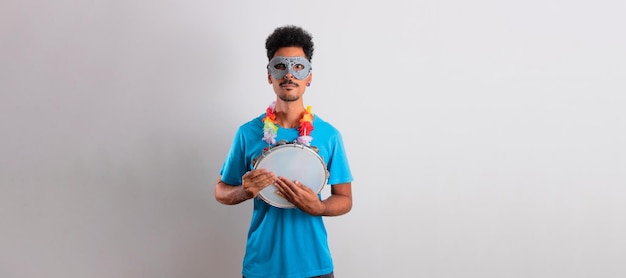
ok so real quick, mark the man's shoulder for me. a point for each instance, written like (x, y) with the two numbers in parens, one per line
(320, 124)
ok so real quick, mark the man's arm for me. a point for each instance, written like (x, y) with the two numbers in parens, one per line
(340, 200)
(229, 194)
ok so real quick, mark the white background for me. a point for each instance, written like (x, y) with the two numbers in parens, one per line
(486, 137)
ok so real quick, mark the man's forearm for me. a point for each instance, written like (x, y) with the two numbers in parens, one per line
(229, 194)
(336, 205)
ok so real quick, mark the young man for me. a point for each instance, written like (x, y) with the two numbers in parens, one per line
(286, 242)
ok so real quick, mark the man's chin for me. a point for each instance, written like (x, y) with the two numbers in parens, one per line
(289, 98)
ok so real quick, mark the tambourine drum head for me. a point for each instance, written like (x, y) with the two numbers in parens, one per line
(295, 163)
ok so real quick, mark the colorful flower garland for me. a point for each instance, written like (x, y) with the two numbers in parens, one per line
(270, 129)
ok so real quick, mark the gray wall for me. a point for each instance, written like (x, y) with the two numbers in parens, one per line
(486, 137)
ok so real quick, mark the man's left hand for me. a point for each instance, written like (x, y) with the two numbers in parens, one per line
(299, 195)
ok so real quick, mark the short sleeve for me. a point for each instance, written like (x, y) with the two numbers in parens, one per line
(338, 164)
(234, 166)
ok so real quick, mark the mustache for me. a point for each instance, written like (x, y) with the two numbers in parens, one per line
(290, 82)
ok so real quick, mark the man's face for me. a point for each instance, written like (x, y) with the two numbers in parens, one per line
(279, 66)
(288, 61)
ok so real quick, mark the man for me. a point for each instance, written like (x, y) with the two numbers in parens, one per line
(286, 242)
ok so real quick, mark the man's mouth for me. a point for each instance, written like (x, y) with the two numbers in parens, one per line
(288, 84)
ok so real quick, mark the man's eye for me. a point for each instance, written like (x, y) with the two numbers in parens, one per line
(280, 66)
(298, 67)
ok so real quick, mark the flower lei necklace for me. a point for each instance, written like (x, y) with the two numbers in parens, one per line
(270, 129)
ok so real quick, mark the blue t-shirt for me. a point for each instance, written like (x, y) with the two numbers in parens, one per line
(285, 242)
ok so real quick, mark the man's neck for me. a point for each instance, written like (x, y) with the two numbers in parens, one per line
(288, 114)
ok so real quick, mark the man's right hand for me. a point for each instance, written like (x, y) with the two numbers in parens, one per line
(254, 181)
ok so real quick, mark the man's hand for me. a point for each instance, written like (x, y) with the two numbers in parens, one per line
(255, 180)
(299, 195)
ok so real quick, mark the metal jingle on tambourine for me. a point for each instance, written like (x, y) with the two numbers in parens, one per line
(254, 160)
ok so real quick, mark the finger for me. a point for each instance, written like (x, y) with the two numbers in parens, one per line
(282, 188)
(258, 182)
(263, 180)
(299, 184)
(302, 186)
(279, 184)
(257, 172)
(267, 182)
(248, 175)
(287, 186)
(280, 194)
(259, 176)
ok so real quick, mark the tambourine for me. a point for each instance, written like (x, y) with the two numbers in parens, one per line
(294, 161)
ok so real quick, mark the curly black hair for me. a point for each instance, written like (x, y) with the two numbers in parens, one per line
(287, 36)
